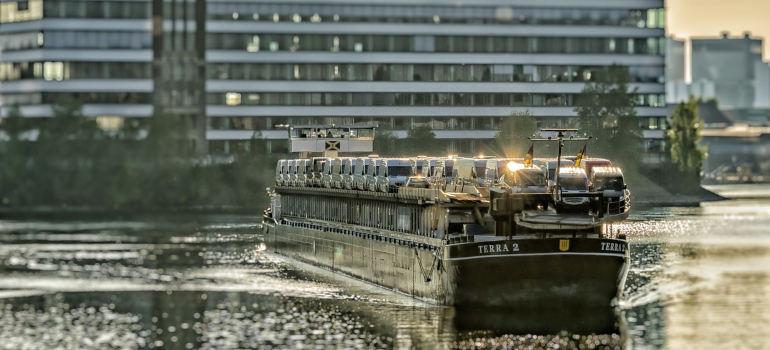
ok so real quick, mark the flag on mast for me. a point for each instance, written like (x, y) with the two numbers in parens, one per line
(528, 158)
(581, 155)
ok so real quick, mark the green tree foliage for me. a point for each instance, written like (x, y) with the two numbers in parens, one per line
(606, 111)
(511, 138)
(420, 141)
(14, 161)
(682, 144)
(74, 162)
(385, 142)
(14, 124)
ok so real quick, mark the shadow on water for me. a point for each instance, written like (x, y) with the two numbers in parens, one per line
(607, 320)
(223, 320)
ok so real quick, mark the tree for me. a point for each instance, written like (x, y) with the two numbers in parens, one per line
(14, 125)
(606, 111)
(683, 138)
(14, 154)
(511, 138)
(385, 141)
(420, 140)
(144, 164)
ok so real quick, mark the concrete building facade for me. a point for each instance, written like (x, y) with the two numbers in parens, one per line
(675, 59)
(230, 71)
(730, 63)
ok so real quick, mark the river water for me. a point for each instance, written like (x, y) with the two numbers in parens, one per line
(700, 280)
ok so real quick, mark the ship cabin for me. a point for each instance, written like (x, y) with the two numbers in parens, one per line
(330, 138)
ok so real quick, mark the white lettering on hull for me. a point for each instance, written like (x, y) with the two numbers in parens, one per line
(498, 248)
(613, 247)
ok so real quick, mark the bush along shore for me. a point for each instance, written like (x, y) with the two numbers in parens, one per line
(72, 165)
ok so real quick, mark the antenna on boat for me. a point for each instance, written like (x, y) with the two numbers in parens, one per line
(561, 136)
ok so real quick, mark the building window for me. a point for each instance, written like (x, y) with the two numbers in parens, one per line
(21, 11)
(423, 43)
(423, 72)
(253, 46)
(53, 71)
(411, 99)
(109, 123)
(233, 99)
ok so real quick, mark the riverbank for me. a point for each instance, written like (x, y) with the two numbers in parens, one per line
(97, 210)
(648, 193)
(741, 191)
(645, 193)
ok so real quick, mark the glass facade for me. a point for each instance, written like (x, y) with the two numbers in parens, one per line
(177, 63)
(37, 98)
(97, 40)
(96, 9)
(75, 39)
(21, 11)
(411, 99)
(400, 123)
(502, 15)
(421, 72)
(254, 42)
(653, 123)
(11, 71)
(21, 41)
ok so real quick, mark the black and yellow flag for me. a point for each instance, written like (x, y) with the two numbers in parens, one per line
(332, 145)
(528, 160)
(581, 155)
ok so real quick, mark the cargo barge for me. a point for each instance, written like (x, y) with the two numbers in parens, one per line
(456, 241)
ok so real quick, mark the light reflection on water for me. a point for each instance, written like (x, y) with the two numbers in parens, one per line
(699, 279)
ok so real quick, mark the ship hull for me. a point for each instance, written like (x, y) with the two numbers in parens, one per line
(560, 281)
(526, 273)
(380, 257)
(523, 273)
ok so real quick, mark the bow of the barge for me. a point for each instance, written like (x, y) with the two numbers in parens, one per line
(530, 272)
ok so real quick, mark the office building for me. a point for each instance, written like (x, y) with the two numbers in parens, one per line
(230, 71)
(675, 59)
(730, 64)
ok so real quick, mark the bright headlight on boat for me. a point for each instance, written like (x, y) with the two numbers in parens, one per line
(512, 166)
